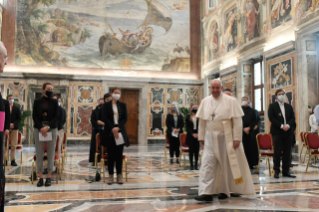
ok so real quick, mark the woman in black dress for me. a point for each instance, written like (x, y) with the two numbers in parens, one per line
(174, 124)
(114, 115)
(192, 137)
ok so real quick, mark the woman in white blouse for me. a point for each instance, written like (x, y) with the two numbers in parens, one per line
(312, 121)
(192, 137)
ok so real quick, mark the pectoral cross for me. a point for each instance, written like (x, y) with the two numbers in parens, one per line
(213, 116)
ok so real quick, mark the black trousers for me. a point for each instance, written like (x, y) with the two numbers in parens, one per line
(193, 151)
(115, 155)
(282, 144)
(174, 145)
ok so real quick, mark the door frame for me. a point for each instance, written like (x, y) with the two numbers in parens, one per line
(143, 99)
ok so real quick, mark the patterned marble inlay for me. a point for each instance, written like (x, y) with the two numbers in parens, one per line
(157, 95)
(175, 96)
(85, 94)
(83, 120)
(64, 196)
(192, 96)
(17, 89)
(35, 208)
(286, 186)
(156, 114)
(294, 201)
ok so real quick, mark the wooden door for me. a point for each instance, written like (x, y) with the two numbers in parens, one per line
(131, 98)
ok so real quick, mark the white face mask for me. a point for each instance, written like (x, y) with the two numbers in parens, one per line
(282, 98)
(244, 103)
(11, 101)
(59, 103)
(116, 96)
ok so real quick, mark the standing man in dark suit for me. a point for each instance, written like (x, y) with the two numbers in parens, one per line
(15, 119)
(282, 118)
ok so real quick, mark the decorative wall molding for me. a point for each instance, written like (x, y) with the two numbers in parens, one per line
(290, 45)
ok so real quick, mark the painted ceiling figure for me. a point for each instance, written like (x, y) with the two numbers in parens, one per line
(228, 35)
(277, 10)
(251, 12)
(213, 39)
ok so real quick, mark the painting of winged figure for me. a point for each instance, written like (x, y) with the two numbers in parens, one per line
(151, 35)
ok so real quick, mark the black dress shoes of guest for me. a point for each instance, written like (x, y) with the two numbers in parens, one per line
(196, 167)
(222, 196)
(234, 195)
(289, 175)
(40, 182)
(204, 198)
(276, 175)
(191, 168)
(172, 161)
(47, 182)
(177, 161)
(13, 163)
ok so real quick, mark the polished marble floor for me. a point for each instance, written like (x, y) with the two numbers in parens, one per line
(153, 185)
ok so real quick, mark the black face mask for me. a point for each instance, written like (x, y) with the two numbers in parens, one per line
(194, 110)
(49, 94)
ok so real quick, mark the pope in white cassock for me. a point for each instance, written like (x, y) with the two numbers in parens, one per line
(224, 168)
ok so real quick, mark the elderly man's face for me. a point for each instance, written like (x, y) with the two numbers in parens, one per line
(3, 58)
(216, 88)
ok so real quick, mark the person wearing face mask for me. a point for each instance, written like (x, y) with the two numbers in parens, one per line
(114, 115)
(175, 125)
(46, 119)
(61, 122)
(95, 130)
(192, 137)
(107, 98)
(15, 119)
(282, 118)
(249, 137)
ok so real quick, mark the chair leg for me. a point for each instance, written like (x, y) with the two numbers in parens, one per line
(269, 166)
(57, 171)
(95, 160)
(184, 156)
(102, 169)
(305, 156)
(32, 172)
(62, 155)
(301, 153)
(122, 167)
(21, 156)
(310, 157)
(259, 163)
(36, 169)
(126, 170)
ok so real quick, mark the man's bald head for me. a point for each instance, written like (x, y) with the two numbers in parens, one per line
(216, 86)
(3, 56)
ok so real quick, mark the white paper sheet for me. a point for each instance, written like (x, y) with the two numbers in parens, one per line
(120, 140)
(175, 134)
(46, 138)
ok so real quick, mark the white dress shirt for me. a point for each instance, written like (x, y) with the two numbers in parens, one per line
(312, 122)
(194, 122)
(116, 114)
(282, 108)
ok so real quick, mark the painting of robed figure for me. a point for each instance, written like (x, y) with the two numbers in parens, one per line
(252, 15)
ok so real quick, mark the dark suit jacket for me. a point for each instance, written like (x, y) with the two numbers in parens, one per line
(276, 118)
(7, 115)
(108, 119)
(15, 116)
(53, 113)
(170, 124)
(94, 117)
(62, 118)
(190, 130)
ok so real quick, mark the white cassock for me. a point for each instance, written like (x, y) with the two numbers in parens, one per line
(224, 169)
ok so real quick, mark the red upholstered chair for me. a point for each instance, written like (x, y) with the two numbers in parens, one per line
(302, 143)
(166, 147)
(104, 158)
(304, 135)
(312, 141)
(65, 152)
(184, 149)
(264, 142)
(19, 145)
(45, 157)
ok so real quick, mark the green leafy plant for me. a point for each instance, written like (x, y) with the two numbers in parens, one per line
(185, 111)
(24, 115)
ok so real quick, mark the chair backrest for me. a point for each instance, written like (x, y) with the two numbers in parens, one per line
(305, 138)
(98, 141)
(312, 141)
(57, 143)
(64, 138)
(183, 140)
(19, 138)
(166, 139)
(264, 141)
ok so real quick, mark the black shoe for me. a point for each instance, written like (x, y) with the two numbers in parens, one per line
(191, 168)
(45, 171)
(47, 182)
(177, 161)
(196, 167)
(222, 196)
(276, 175)
(40, 182)
(13, 163)
(204, 198)
(289, 175)
(172, 161)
